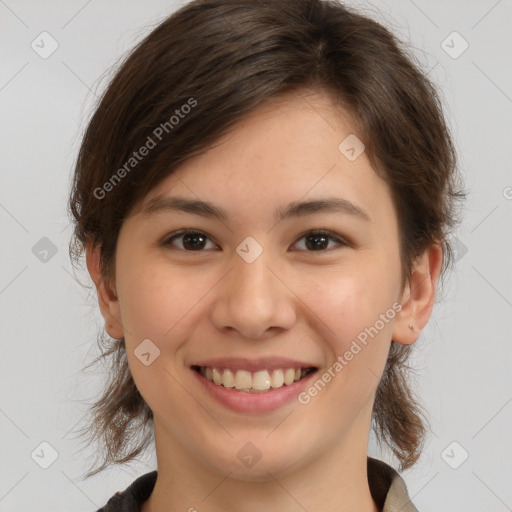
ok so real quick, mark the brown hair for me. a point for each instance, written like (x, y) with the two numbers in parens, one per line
(223, 58)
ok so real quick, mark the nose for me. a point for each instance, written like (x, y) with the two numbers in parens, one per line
(254, 299)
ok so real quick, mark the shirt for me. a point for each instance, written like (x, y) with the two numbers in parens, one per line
(387, 488)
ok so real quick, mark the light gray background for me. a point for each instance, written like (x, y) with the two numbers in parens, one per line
(49, 323)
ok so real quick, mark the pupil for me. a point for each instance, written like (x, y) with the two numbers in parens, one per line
(188, 241)
(316, 245)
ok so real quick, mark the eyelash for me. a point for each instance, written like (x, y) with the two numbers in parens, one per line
(182, 232)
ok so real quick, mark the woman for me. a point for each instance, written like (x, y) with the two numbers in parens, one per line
(264, 196)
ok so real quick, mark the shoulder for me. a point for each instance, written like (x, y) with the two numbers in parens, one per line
(132, 498)
(388, 488)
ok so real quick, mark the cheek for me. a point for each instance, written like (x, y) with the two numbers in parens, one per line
(157, 304)
(158, 298)
(351, 298)
(355, 314)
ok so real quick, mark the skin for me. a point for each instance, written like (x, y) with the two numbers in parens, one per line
(292, 301)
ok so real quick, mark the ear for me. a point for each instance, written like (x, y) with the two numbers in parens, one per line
(418, 297)
(107, 298)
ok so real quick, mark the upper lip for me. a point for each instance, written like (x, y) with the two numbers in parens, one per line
(261, 363)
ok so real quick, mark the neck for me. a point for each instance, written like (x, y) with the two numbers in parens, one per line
(333, 482)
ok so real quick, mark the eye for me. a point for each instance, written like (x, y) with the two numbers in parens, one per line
(318, 241)
(189, 240)
(192, 240)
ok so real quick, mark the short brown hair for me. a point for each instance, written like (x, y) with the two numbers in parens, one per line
(229, 56)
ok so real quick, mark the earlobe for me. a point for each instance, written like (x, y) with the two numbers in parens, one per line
(418, 297)
(107, 298)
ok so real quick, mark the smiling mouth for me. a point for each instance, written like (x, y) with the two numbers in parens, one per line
(262, 381)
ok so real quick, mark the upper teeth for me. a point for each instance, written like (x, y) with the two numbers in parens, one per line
(244, 380)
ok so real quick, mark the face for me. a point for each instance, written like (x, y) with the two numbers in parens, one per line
(297, 279)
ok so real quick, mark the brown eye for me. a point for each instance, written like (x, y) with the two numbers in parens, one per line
(318, 241)
(189, 240)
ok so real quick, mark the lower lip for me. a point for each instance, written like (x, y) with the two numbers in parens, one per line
(239, 401)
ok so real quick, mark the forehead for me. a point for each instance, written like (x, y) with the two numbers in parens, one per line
(290, 148)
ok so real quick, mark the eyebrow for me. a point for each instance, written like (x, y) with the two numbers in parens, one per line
(294, 209)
